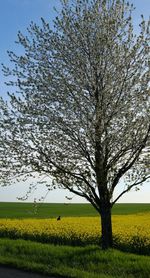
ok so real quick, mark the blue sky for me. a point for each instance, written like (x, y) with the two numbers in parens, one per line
(16, 15)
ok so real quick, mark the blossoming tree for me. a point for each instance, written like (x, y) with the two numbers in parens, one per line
(80, 113)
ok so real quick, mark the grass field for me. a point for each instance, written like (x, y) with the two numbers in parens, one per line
(75, 262)
(130, 227)
(45, 210)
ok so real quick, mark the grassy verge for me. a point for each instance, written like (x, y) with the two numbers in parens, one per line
(77, 262)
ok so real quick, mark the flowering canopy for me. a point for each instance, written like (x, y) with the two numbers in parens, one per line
(80, 114)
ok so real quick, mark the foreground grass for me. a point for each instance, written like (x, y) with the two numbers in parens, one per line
(27, 210)
(77, 262)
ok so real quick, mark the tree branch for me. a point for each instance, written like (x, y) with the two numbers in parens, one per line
(130, 162)
(128, 189)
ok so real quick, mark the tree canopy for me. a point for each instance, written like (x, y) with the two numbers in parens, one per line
(80, 114)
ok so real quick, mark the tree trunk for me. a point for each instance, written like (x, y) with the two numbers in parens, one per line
(106, 225)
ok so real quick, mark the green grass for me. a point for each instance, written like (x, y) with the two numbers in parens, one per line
(77, 262)
(68, 261)
(26, 210)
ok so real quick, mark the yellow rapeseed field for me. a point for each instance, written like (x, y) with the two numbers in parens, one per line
(127, 230)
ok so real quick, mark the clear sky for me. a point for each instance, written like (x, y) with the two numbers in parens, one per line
(16, 15)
